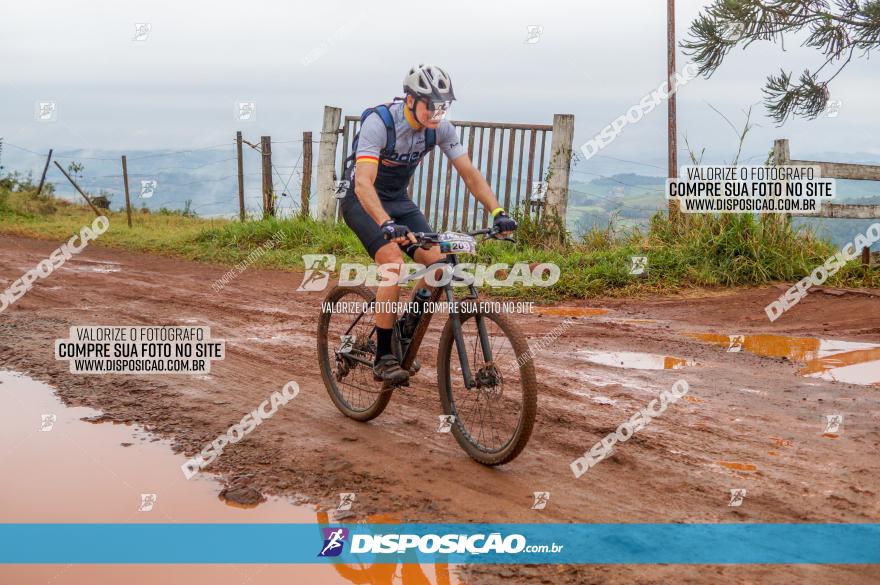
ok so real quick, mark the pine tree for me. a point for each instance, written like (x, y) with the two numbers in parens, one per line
(839, 30)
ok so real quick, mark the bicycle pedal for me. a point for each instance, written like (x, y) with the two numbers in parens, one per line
(415, 367)
(388, 386)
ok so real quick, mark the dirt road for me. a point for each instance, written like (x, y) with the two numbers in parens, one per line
(754, 418)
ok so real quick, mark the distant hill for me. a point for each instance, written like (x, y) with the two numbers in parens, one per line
(205, 177)
(630, 199)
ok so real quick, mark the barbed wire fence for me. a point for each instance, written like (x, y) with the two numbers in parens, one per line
(217, 180)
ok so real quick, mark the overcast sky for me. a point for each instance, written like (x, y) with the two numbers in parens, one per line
(177, 89)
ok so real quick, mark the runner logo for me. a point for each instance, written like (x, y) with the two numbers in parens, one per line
(541, 499)
(245, 111)
(147, 502)
(539, 191)
(46, 111)
(347, 343)
(317, 275)
(736, 497)
(733, 31)
(345, 501)
(534, 32)
(639, 265)
(142, 31)
(334, 538)
(340, 188)
(446, 422)
(47, 422)
(833, 423)
(736, 343)
(832, 109)
(148, 188)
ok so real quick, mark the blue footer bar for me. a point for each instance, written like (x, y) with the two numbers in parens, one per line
(441, 543)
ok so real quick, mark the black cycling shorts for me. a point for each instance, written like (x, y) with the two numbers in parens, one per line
(402, 211)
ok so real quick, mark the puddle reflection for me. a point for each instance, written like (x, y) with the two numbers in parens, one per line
(59, 468)
(833, 360)
(634, 360)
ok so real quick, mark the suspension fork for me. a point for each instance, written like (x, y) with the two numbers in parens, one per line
(455, 320)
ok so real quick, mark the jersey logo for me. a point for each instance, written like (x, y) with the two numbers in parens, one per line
(404, 158)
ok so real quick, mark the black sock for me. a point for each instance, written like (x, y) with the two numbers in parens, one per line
(383, 342)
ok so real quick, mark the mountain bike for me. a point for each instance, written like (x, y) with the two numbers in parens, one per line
(488, 391)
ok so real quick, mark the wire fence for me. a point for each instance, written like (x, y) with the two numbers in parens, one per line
(199, 180)
(204, 181)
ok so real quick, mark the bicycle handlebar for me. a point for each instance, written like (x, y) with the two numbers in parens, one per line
(434, 237)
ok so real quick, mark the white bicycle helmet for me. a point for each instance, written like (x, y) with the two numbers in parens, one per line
(428, 82)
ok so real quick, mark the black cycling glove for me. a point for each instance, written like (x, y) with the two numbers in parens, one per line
(392, 231)
(504, 223)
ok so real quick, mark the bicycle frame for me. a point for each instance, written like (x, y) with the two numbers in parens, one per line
(409, 355)
(425, 320)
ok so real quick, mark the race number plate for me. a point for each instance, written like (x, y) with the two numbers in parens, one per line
(456, 243)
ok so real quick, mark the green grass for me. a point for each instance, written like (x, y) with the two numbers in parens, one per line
(701, 251)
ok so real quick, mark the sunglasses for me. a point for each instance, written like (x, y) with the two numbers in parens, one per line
(438, 110)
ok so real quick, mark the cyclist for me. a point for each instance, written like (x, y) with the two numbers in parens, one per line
(392, 141)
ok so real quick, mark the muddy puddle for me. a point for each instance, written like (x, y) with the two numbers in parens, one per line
(93, 266)
(60, 468)
(633, 360)
(828, 359)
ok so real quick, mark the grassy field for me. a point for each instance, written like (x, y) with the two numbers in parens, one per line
(704, 251)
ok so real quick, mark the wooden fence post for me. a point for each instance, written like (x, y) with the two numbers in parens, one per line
(43, 177)
(125, 184)
(781, 152)
(268, 195)
(86, 197)
(327, 163)
(240, 176)
(781, 157)
(306, 189)
(560, 164)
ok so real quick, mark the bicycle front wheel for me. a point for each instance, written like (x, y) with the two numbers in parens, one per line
(493, 420)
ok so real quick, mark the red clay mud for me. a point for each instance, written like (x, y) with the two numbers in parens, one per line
(748, 407)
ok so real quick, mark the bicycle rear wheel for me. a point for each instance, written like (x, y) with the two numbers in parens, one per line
(346, 345)
(494, 420)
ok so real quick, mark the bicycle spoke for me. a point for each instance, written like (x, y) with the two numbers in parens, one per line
(488, 414)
